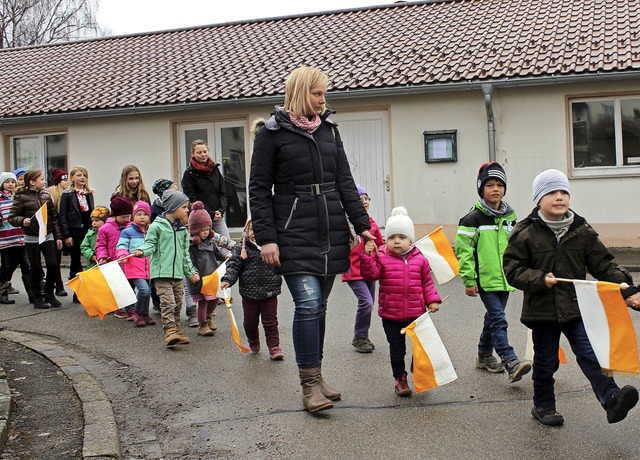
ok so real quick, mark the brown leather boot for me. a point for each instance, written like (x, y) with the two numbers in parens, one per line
(182, 339)
(171, 338)
(204, 329)
(327, 391)
(312, 398)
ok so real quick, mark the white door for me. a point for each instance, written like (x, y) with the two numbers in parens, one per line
(366, 141)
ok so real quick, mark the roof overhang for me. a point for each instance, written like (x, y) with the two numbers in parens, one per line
(507, 82)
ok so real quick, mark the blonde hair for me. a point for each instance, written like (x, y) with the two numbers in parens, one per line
(56, 192)
(123, 187)
(298, 87)
(83, 170)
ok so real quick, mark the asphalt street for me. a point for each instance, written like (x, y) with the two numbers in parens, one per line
(208, 400)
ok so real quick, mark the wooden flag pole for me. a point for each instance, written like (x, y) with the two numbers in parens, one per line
(567, 280)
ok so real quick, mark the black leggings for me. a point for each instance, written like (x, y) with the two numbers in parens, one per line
(48, 250)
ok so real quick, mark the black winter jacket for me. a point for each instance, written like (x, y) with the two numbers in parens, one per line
(533, 252)
(70, 215)
(205, 257)
(26, 203)
(208, 189)
(258, 280)
(300, 187)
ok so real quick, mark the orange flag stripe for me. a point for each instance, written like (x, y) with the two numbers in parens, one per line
(444, 248)
(424, 377)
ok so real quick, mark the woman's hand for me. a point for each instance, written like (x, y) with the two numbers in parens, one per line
(271, 254)
(68, 242)
(367, 235)
(217, 215)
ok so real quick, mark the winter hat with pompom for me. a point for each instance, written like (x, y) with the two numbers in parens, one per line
(198, 219)
(400, 224)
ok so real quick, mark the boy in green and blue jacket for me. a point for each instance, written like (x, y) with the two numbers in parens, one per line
(480, 243)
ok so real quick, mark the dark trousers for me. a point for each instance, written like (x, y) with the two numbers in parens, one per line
(59, 285)
(546, 340)
(48, 250)
(75, 255)
(397, 345)
(11, 258)
(268, 309)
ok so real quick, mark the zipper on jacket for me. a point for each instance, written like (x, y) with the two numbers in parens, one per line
(293, 209)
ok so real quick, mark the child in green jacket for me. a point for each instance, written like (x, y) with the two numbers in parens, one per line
(480, 243)
(167, 242)
(99, 216)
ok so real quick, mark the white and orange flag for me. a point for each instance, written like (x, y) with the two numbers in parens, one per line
(432, 366)
(438, 251)
(608, 325)
(234, 326)
(103, 289)
(211, 283)
(42, 217)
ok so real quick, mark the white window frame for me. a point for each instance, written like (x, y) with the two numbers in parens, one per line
(600, 171)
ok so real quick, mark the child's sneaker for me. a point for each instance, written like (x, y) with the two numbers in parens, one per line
(148, 320)
(619, 404)
(129, 314)
(362, 345)
(120, 313)
(548, 416)
(489, 362)
(275, 353)
(254, 346)
(138, 320)
(402, 386)
(516, 369)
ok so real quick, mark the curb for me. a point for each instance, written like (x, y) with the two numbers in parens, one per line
(100, 437)
(5, 408)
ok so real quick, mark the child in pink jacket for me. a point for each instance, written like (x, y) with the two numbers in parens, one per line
(109, 233)
(406, 287)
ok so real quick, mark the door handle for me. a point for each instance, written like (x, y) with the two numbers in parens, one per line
(387, 183)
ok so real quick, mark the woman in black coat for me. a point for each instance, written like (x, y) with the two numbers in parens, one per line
(203, 181)
(300, 188)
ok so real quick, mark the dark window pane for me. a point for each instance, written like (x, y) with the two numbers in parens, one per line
(55, 154)
(233, 168)
(191, 135)
(630, 109)
(594, 142)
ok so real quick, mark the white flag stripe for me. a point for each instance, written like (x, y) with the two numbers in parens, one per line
(430, 339)
(118, 283)
(439, 265)
(593, 319)
(42, 226)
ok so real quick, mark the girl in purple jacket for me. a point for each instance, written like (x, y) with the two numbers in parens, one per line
(406, 287)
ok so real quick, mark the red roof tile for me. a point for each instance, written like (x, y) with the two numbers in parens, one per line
(423, 43)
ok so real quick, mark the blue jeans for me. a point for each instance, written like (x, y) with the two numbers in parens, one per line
(546, 340)
(310, 294)
(365, 292)
(494, 331)
(143, 294)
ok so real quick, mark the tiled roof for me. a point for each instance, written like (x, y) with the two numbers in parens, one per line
(425, 43)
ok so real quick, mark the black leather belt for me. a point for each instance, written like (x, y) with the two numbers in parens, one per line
(310, 189)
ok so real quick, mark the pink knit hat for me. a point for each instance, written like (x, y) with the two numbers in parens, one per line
(199, 218)
(141, 206)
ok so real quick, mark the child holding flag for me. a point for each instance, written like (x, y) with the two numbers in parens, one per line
(260, 287)
(137, 269)
(205, 255)
(480, 243)
(33, 211)
(553, 241)
(167, 242)
(364, 290)
(406, 287)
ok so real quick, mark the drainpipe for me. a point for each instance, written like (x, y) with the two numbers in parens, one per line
(487, 90)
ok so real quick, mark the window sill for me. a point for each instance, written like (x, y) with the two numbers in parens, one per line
(607, 171)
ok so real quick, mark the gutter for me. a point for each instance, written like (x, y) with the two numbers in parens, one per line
(506, 82)
(487, 90)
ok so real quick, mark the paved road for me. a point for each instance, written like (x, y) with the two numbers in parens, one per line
(207, 400)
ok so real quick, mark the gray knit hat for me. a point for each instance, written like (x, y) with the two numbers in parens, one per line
(5, 176)
(172, 200)
(549, 181)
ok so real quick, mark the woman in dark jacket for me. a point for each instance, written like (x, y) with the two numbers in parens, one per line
(203, 181)
(300, 188)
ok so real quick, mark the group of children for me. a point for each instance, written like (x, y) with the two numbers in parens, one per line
(496, 256)
(161, 245)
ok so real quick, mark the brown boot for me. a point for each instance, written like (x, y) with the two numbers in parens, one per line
(312, 398)
(182, 339)
(327, 391)
(171, 338)
(204, 330)
(211, 324)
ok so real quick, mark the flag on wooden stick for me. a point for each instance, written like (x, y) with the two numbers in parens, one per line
(608, 325)
(103, 289)
(437, 249)
(432, 366)
(42, 217)
(234, 325)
